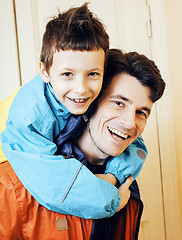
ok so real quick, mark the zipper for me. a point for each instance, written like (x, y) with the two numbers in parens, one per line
(93, 229)
(71, 183)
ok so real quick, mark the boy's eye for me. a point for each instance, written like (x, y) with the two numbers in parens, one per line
(93, 74)
(67, 74)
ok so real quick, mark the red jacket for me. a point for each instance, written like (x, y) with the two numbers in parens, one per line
(23, 218)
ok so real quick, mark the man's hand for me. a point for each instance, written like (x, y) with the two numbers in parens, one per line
(108, 177)
(124, 192)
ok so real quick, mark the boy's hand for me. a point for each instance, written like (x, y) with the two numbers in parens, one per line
(124, 192)
(108, 177)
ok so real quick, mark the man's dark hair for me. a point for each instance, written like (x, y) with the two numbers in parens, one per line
(75, 29)
(136, 65)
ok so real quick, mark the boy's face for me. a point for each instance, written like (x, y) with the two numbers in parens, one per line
(121, 116)
(76, 77)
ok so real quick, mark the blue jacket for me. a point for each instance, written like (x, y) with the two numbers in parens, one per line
(35, 119)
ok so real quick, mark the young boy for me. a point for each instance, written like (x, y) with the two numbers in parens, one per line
(73, 55)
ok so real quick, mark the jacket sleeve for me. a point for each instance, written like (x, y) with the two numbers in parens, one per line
(130, 162)
(4, 109)
(9, 213)
(59, 184)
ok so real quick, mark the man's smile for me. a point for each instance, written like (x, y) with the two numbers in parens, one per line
(118, 134)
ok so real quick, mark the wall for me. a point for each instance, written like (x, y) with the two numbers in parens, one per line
(174, 38)
(9, 65)
(174, 31)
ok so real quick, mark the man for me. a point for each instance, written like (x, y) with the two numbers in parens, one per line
(133, 84)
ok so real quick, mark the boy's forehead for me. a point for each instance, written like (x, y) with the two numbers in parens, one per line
(69, 58)
(77, 51)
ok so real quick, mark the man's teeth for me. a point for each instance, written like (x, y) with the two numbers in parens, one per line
(118, 133)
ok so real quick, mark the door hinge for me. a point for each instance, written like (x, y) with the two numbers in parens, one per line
(148, 21)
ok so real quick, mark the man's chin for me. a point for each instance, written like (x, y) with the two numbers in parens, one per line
(116, 151)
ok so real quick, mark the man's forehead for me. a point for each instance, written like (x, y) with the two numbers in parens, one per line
(127, 88)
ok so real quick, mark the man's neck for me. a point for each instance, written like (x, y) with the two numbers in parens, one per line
(92, 153)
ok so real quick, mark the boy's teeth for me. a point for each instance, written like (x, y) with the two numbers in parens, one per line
(117, 132)
(78, 100)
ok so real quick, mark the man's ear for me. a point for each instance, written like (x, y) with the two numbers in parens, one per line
(43, 72)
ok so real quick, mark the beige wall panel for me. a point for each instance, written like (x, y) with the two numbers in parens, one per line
(9, 69)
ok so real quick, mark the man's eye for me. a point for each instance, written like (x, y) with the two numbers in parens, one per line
(142, 114)
(119, 103)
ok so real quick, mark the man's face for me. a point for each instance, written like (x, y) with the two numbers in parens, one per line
(121, 116)
(76, 77)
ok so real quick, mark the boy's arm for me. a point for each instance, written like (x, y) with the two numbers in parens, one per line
(59, 184)
(124, 192)
(55, 182)
(108, 177)
(129, 163)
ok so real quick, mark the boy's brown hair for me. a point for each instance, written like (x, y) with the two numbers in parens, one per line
(75, 29)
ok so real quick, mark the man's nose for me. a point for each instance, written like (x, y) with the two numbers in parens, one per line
(81, 85)
(127, 118)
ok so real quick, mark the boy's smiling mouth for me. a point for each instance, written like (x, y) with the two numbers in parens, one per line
(78, 100)
(118, 134)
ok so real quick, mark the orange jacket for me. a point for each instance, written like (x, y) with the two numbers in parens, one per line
(23, 218)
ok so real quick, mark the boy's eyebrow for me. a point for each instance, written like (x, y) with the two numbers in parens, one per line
(93, 69)
(64, 69)
(97, 68)
(118, 97)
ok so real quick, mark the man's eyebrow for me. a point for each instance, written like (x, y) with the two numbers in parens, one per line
(118, 97)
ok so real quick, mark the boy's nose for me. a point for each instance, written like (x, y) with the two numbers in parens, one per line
(81, 86)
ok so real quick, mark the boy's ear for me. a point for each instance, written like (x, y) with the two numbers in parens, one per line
(43, 72)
